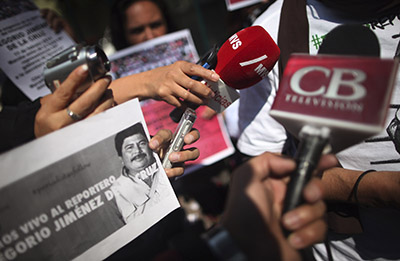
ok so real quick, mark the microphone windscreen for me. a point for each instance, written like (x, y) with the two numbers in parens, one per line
(247, 57)
(350, 39)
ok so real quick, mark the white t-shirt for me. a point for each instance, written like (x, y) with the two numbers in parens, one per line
(259, 133)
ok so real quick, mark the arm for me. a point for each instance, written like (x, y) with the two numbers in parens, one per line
(169, 83)
(375, 189)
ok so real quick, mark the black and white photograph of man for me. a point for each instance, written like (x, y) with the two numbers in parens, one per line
(139, 186)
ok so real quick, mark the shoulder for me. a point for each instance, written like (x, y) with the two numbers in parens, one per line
(269, 19)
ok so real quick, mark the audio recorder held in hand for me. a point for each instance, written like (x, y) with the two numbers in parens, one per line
(58, 67)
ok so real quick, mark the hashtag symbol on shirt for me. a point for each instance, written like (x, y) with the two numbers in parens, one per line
(316, 41)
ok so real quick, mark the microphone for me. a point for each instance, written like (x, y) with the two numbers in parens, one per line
(247, 57)
(350, 39)
(330, 102)
(242, 61)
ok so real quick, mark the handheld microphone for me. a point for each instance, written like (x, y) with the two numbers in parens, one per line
(242, 61)
(331, 102)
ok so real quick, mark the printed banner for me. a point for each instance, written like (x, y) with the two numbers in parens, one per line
(26, 43)
(84, 191)
(157, 52)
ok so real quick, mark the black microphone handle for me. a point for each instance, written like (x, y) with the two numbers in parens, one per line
(308, 154)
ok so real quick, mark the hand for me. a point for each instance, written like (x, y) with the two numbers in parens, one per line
(170, 83)
(160, 142)
(56, 22)
(253, 212)
(53, 115)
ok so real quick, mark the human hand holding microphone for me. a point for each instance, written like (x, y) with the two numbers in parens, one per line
(242, 61)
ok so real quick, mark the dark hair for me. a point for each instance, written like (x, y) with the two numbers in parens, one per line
(137, 128)
(117, 20)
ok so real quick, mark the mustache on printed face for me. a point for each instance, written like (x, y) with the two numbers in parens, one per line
(138, 157)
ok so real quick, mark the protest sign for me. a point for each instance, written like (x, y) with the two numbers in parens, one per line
(69, 195)
(26, 43)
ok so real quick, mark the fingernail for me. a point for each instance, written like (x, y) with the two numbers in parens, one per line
(107, 80)
(314, 193)
(174, 157)
(154, 144)
(168, 172)
(189, 138)
(295, 241)
(291, 220)
(83, 69)
(214, 76)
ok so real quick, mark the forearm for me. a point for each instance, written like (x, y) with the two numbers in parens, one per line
(129, 87)
(375, 189)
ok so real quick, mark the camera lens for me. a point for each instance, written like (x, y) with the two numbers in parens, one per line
(103, 59)
(98, 62)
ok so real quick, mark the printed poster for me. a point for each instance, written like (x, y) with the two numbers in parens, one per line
(214, 143)
(26, 43)
(161, 51)
(82, 192)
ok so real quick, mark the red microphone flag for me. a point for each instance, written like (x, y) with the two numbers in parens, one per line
(349, 95)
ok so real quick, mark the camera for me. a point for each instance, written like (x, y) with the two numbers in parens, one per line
(58, 67)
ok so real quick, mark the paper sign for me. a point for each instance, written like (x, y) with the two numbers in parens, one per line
(161, 51)
(26, 43)
(68, 195)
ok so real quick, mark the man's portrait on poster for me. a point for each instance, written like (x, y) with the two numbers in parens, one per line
(138, 187)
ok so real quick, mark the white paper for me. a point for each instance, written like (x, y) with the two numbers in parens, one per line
(161, 51)
(233, 5)
(26, 43)
(57, 191)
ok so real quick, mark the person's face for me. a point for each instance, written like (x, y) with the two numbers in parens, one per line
(136, 154)
(144, 21)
